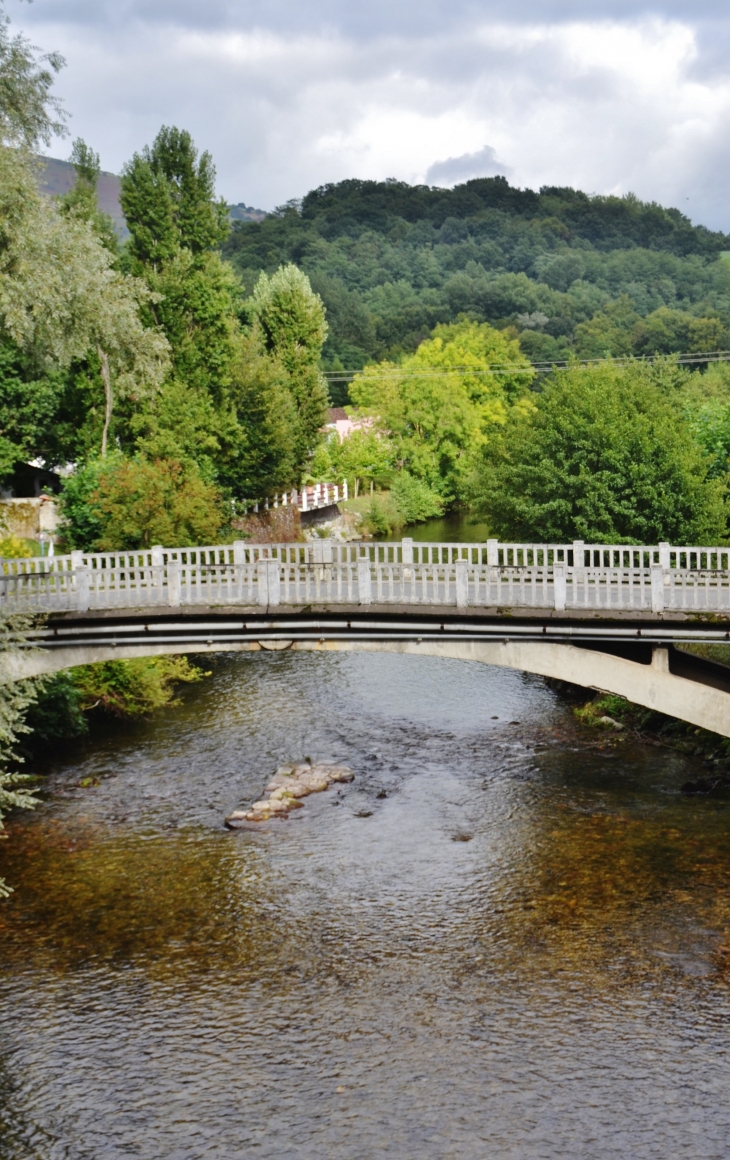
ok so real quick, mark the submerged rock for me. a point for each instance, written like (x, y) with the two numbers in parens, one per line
(289, 784)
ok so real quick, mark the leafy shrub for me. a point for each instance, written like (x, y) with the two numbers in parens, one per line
(120, 503)
(382, 517)
(415, 500)
(132, 688)
(15, 548)
(56, 715)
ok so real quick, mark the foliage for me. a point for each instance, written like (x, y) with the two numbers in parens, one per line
(364, 454)
(292, 322)
(606, 456)
(382, 517)
(390, 261)
(414, 499)
(135, 503)
(132, 688)
(29, 114)
(195, 300)
(15, 548)
(244, 400)
(15, 699)
(61, 298)
(82, 200)
(56, 715)
(707, 408)
(168, 200)
(444, 402)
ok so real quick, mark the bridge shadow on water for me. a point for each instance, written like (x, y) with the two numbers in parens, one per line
(506, 937)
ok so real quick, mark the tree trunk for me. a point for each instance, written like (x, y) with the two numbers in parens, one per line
(107, 379)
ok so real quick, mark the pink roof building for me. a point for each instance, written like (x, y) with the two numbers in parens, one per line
(338, 420)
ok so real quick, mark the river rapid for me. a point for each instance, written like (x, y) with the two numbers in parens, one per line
(509, 937)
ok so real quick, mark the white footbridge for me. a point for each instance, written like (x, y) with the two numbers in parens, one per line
(610, 617)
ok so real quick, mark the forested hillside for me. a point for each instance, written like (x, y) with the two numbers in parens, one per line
(567, 272)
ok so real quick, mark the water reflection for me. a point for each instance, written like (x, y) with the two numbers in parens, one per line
(508, 937)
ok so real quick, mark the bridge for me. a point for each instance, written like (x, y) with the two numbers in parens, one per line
(607, 617)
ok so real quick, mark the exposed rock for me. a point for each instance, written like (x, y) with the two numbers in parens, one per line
(287, 786)
(609, 722)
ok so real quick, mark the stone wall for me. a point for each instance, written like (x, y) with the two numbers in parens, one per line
(27, 518)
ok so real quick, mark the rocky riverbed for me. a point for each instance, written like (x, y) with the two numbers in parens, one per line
(287, 787)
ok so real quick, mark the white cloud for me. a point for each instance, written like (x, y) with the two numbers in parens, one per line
(603, 105)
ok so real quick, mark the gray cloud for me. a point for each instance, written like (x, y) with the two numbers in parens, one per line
(483, 163)
(366, 18)
(288, 96)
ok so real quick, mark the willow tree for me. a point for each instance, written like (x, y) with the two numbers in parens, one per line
(62, 298)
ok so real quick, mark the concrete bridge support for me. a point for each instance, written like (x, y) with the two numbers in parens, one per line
(654, 686)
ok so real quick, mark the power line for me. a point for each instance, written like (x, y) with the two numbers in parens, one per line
(510, 369)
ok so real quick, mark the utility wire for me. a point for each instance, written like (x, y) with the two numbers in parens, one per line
(373, 372)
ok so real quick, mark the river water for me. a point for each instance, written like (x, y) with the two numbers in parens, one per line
(509, 937)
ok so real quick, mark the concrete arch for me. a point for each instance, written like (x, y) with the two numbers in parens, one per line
(652, 686)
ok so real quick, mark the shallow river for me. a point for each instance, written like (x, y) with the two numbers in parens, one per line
(506, 939)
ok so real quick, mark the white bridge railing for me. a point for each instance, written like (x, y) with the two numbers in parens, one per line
(307, 499)
(565, 577)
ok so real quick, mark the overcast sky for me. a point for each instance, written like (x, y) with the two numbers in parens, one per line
(604, 95)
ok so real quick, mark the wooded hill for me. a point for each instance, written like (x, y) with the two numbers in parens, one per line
(568, 272)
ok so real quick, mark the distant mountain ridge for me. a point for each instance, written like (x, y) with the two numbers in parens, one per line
(58, 177)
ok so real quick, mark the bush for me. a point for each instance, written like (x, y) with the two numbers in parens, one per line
(57, 714)
(382, 517)
(14, 548)
(119, 503)
(414, 499)
(132, 688)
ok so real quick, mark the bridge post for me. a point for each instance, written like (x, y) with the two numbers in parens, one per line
(579, 554)
(664, 555)
(406, 556)
(174, 583)
(657, 588)
(364, 583)
(462, 584)
(560, 587)
(274, 581)
(158, 563)
(82, 588)
(239, 553)
(269, 584)
(493, 553)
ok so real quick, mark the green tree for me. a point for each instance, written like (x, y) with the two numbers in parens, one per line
(609, 332)
(666, 331)
(444, 402)
(291, 319)
(606, 456)
(168, 199)
(365, 454)
(82, 200)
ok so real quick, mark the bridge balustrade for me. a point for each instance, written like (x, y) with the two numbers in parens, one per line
(565, 577)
